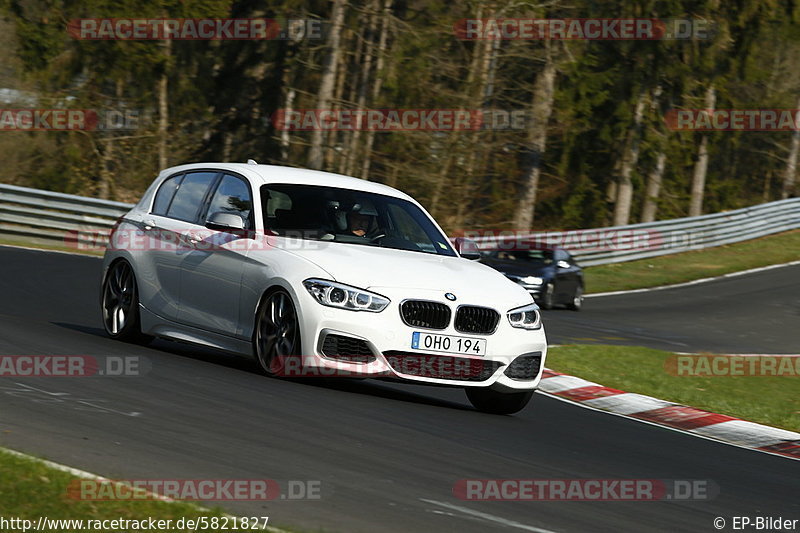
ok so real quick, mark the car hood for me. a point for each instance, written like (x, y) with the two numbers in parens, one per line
(372, 267)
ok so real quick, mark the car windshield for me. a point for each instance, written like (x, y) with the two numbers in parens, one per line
(535, 257)
(355, 217)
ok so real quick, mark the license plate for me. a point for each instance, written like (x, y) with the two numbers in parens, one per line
(431, 342)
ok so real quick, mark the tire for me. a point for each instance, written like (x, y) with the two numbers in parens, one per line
(277, 333)
(498, 403)
(547, 295)
(577, 299)
(119, 304)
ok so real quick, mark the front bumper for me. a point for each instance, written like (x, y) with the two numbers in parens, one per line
(382, 346)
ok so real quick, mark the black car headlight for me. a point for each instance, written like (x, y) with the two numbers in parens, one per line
(343, 296)
(526, 317)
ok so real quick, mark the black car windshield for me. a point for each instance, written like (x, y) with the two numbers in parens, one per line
(322, 213)
(534, 257)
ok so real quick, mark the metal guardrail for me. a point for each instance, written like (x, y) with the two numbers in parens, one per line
(76, 220)
(617, 244)
(64, 219)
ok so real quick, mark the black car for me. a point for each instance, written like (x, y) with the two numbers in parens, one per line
(551, 275)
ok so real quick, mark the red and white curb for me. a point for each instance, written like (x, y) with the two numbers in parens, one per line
(696, 421)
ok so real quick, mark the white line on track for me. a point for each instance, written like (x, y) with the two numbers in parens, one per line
(485, 516)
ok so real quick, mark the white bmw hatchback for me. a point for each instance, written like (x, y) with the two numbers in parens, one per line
(318, 274)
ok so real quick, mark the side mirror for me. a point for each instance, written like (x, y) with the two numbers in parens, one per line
(225, 222)
(467, 248)
(562, 264)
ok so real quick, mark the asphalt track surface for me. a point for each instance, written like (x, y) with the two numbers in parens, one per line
(386, 455)
(751, 313)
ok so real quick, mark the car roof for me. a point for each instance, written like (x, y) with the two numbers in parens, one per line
(281, 174)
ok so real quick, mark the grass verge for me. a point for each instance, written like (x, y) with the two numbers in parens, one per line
(688, 266)
(30, 489)
(770, 400)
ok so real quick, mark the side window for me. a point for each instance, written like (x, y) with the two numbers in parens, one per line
(190, 195)
(165, 194)
(275, 200)
(277, 208)
(232, 196)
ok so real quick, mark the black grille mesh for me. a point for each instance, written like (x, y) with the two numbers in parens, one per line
(472, 319)
(347, 349)
(525, 367)
(441, 366)
(422, 314)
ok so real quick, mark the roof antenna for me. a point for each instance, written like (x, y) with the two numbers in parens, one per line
(252, 162)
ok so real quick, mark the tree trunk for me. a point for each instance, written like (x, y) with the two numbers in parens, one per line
(482, 95)
(163, 108)
(622, 206)
(366, 70)
(286, 139)
(331, 138)
(376, 85)
(542, 109)
(438, 187)
(701, 166)
(325, 93)
(107, 155)
(391, 181)
(654, 188)
(790, 174)
(227, 145)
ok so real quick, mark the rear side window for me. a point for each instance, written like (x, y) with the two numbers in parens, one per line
(165, 194)
(274, 200)
(232, 196)
(190, 195)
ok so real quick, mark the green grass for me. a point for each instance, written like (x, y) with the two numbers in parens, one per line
(30, 489)
(688, 266)
(770, 400)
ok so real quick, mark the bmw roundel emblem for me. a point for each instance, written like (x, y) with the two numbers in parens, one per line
(450, 296)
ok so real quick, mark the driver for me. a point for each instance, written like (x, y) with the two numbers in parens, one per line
(362, 219)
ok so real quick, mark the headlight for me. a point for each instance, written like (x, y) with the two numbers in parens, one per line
(342, 296)
(526, 317)
(531, 280)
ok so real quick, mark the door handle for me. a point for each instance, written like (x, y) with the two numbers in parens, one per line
(193, 238)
